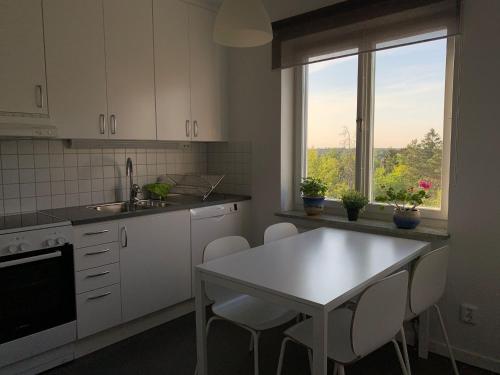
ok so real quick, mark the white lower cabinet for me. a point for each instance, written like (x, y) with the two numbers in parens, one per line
(98, 310)
(155, 262)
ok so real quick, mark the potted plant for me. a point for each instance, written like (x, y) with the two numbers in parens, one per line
(353, 202)
(313, 194)
(405, 202)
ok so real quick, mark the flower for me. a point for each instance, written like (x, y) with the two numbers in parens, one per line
(426, 185)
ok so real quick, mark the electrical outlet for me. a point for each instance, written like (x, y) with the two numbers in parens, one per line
(468, 314)
(186, 146)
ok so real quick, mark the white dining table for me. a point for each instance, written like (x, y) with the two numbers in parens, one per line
(313, 273)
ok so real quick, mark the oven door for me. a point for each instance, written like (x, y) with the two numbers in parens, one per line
(37, 292)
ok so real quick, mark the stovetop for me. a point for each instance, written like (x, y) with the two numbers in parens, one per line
(32, 220)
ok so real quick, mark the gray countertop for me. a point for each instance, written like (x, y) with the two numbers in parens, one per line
(84, 215)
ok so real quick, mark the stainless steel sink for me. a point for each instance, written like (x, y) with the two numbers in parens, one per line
(118, 207)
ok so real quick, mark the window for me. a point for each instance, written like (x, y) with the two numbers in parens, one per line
(380, 119)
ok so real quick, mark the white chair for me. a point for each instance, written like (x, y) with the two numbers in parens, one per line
(427, 286)
(245, 311)
(375, 321)
(278, 231)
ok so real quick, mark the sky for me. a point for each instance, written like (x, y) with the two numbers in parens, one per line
(409, 96)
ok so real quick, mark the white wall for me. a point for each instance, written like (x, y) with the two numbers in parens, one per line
(474, 205)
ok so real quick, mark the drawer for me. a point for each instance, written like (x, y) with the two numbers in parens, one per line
(98, 277)
(98, 310)
(96, 256)
(95, 234)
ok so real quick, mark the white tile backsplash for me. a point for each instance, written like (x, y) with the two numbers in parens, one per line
(44, 174)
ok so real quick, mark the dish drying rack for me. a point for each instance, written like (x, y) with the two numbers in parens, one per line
(199, 185)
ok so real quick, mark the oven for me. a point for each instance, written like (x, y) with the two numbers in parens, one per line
(37, 293)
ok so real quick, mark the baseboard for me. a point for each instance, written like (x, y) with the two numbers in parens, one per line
(470, 358)
(122, 332)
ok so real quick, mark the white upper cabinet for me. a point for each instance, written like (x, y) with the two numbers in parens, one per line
(76, 67)
(206, 77)
(189, 73)
(128, 28)
(173, 109)
(22, 64)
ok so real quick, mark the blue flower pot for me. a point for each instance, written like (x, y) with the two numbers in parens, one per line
(313, 205)
(406, 219)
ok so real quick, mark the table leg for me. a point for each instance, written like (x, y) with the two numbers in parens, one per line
(201, 332)
(320, 342)
(423, 335)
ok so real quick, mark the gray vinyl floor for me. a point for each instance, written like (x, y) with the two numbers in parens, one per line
(170, 350)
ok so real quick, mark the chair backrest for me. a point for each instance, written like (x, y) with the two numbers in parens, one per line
(428, 279)
(220, 248)
(278, 231)
(379, 313)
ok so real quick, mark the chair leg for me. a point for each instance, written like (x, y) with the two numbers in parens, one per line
(400, 357)
(335, 368)
(310, 359)
(255, 336)
(405, 351)
(282, 355)
(341, 370)
(250, 346)
(445, 335)
(209, 324)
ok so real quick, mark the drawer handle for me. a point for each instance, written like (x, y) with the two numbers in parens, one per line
(96, 233)
(98, 252)
(98, 296)
(97, 274)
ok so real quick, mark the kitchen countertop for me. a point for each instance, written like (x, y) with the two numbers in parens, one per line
(84, 215)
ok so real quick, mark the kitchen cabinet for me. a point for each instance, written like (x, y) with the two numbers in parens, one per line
(22, 61)
(76, 67)
(189, 73)
(155, 262)
(128, 28)
(100, 68)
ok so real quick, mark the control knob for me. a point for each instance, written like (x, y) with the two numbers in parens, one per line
(12, 249)
(23, 247)
(61, 241)
(50, 242)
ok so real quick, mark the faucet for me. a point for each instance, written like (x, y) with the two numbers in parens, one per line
(134, 188)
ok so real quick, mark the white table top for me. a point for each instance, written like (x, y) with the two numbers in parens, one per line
(323, 267)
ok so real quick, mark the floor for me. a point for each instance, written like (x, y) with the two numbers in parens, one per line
(170, 350)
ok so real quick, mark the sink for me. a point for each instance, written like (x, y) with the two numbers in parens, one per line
(118, 207)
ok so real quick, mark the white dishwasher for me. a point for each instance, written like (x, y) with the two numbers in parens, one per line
(212, 222)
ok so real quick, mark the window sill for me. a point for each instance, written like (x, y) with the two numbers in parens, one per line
(420, 233)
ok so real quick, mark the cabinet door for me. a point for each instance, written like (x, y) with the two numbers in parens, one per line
(206, 77)
(155, 262)
(22, 64)
(76, 67)
(128, 28)
(171, 29)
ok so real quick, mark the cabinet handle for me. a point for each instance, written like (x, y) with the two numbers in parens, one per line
(188, 130)
(124, 233)
(113, 124)
(96, 233)
(39, 96)
(195, 130)
(97, 274)
(98, 252)
(99, 296)
(102, 123)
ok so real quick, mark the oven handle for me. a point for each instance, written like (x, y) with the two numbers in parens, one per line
(35, 258)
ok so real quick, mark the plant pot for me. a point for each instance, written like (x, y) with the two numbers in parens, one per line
(406, 219)
(352, 214)
(313, 205)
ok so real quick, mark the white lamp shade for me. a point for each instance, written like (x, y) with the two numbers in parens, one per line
(242, 23)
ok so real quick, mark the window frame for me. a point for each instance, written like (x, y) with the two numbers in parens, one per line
(364, 135)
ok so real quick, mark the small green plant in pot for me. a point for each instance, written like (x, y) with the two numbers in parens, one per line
(313, 195)
(354, 202)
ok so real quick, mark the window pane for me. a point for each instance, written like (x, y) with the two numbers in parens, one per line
(331, 123)
(409, 118)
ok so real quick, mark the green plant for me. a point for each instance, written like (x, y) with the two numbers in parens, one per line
(353, 199)
(159, 189)
(405, 199)
(313, 187)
